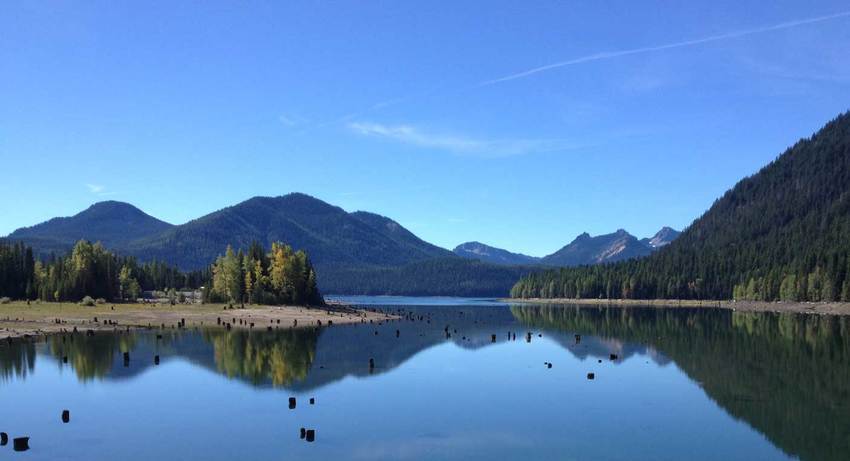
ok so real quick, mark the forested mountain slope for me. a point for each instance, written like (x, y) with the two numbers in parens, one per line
(115, 224)
(780, 234)
(332, 236)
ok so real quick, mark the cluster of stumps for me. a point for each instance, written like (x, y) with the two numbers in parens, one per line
(306, 434)
(23, 443)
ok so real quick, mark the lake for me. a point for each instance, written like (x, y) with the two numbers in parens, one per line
(681, 384)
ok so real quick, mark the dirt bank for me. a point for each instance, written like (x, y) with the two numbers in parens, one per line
(19, 319)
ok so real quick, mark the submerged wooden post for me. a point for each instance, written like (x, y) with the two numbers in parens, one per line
(4, 438)
(492, 338)
(303, 432)
(591, 376)
(292, 403)
(311, 435)
(66, 416)
(156, 360)
(21, 444)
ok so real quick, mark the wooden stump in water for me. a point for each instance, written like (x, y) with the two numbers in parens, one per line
(613, 356)
(311, 435)
(21, 444)
(303, 432)
(156, 360)
(312, 400)
(292, 403)
(4, 438)
(66, 416)
(591, 376)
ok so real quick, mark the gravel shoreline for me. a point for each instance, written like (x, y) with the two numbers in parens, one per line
(825, 308)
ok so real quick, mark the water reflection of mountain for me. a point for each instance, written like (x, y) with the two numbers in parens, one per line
(786, 375)
(300, 359)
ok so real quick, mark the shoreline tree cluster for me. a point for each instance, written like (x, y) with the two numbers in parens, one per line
(282, 276)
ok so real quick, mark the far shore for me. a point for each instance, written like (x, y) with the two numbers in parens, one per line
(17, 319)
(825, 308)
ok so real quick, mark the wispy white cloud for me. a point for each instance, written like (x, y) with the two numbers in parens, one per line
(650, 49)
(96, 188)
(408, 134)
(292, 120)
(99, 190)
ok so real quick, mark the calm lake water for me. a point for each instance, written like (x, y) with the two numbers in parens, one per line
(686, 384)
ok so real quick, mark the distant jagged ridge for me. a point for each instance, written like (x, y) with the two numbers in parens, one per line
(487, 253)
(583, 250)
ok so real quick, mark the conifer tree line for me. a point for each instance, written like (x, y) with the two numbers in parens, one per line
(782, 234)
(280, 277)
(88, 270)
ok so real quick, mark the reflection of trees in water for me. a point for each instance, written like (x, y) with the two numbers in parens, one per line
(17, 358)
(787, 375)
(280, 356)
(90, 356)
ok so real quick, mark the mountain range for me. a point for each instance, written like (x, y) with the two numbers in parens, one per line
(584, 250)
(348, 249)
(329, 234)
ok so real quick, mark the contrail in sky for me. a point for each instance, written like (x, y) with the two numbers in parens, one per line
(697, 41)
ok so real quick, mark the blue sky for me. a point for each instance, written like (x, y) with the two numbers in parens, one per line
(518, 124)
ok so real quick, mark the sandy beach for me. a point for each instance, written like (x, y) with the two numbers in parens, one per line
(18, 319)
(825, 308)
